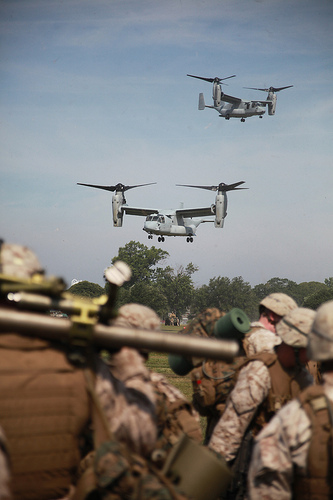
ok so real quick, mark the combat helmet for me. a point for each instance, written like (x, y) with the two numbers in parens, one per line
(18, 261)
(135, 315)
(294, 327)
(320, 345)
(280, 303)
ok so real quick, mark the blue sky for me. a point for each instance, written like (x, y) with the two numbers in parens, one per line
(96, 91)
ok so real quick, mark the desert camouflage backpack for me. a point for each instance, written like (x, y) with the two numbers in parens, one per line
(175, 417)
(212, 380)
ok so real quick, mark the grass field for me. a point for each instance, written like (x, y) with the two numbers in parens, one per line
(158, 362)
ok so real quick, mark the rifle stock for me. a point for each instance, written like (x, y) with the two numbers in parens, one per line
(114, 337)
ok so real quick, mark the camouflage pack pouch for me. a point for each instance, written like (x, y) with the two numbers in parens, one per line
(212, 382)
(121, 474)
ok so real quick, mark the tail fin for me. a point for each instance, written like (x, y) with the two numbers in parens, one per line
(201, 105)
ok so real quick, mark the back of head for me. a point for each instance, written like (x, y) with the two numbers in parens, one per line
(320, 346)
(280, 303)
(295, 327)
(137, 316)
(18, 261)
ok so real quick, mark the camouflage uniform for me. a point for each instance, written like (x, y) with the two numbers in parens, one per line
(292, 456)
(212, 380)
(259, 339)
(175, 414)
(252, 388)
(128, 399)
(280, 447)
(128, 404)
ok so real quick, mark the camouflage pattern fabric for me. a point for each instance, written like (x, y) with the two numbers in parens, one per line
(203, 326)
(252, 388)
(175, 416)
(212, 382)
(18, 261)
(259, 339)
(121, 475)
(127, 398)
(281, 448)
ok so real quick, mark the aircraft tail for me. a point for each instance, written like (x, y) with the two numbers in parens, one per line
(201, 105)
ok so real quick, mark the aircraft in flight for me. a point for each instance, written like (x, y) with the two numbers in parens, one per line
(170, 222)
(233, 107)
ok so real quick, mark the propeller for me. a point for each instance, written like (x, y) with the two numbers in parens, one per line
(212, 80)
(118, 187)
(271, 89)
(221, 187)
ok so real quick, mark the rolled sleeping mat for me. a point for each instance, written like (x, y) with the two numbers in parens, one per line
(231, 326)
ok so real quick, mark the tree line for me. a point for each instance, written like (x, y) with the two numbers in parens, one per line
(167, 290)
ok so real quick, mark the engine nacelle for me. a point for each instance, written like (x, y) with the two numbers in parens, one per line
(271, 106)
(217, 94)
(220, 209)
(117, 214)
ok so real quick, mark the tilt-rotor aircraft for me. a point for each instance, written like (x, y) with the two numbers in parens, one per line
(233, 107)
(170, 222)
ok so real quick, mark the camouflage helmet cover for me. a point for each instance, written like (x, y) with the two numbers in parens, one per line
(135, 315)
(279, 303)
(203, 324)
(320, 345)
(18, 261)
(295, 327)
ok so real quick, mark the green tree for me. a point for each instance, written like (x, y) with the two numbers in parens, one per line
(318, 298)
(142, 261)
(177, 286)
(275, 285)
(151, 295)
(225, 294)
(329, 282)
(307, 289)
(162, 289)
(87, 289)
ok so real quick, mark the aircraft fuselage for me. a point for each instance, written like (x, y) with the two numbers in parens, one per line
(243, 110)
(164, 225)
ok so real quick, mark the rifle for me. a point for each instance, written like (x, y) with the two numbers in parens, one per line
(88, 322)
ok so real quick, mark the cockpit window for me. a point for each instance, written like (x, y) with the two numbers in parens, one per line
(151, 217)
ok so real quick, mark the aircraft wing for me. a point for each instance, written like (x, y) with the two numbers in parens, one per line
(195, 212)
(138, 211)
(230, 99)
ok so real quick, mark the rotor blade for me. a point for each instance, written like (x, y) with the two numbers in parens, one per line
(210, 188)
(271, 89)
(281, 88)
(230, 187)
(227, 77)
(221, 187)
(126, 188)
(212, 80)
(117, 187)
(202, 78)
(107, 188)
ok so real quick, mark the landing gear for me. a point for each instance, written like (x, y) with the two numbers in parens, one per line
(260, 116)
(189, 239)
(161, 238)
(150, 236)
(243, 120)
(227, 117)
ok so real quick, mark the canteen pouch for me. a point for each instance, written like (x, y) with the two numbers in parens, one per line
(196, 470)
